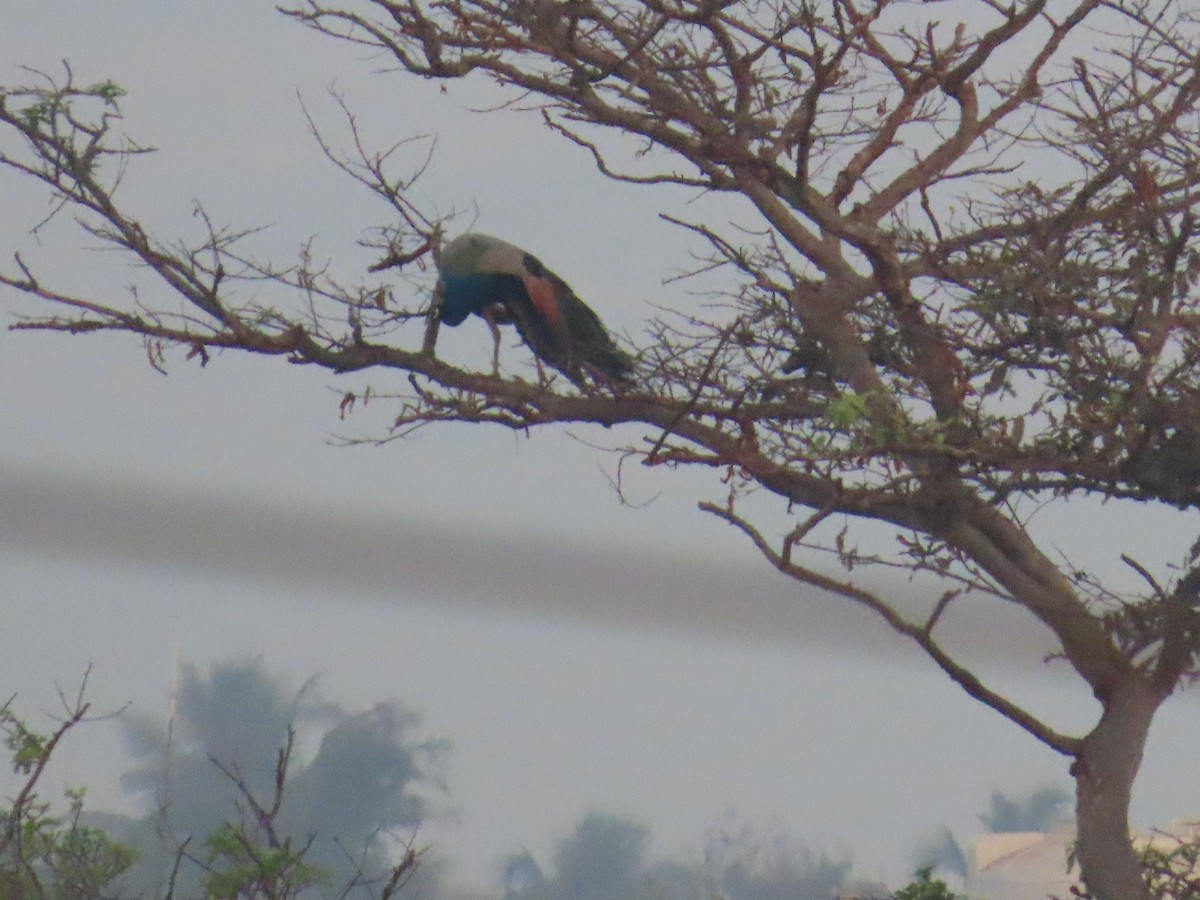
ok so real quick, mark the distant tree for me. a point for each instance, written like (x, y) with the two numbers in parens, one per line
(226, 830)
(961, 289)
(745, 863)
(253, 857)
(606, 859)
(353, 807)
(1041, 810)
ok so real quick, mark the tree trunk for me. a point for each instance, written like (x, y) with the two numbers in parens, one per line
(1104, 770)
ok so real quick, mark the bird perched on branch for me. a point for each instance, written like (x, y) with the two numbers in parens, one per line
(502, 283)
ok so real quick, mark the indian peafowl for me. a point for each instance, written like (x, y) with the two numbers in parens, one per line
(492, 278)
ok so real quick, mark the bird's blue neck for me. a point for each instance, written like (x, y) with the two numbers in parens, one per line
(466, 294)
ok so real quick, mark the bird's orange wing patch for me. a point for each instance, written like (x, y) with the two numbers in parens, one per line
(542, 294)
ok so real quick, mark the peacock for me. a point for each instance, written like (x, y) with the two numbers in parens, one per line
(501, 282)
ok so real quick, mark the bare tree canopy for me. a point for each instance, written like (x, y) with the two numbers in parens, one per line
(966, 289)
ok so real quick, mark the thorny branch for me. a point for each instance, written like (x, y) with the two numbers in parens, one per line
(921, 634)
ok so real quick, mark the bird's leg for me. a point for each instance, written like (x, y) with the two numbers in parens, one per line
(543, 378)
(495, 347)
(489, 316)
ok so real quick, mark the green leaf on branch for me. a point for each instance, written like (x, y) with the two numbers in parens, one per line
(847, 409)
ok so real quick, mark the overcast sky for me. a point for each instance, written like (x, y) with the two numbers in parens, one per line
(578, 653)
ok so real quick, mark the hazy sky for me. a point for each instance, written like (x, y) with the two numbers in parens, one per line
(577, 653)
